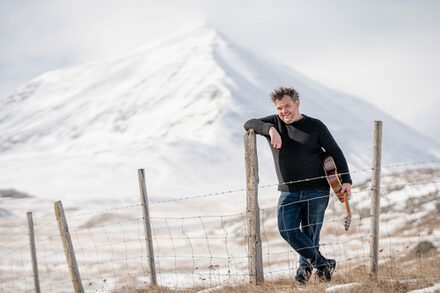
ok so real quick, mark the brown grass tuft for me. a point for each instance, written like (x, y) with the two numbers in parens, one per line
(396, 275)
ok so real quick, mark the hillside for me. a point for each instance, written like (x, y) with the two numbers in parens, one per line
(177, 109)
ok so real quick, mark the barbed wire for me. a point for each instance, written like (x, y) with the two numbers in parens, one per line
(214, 249)
(107, 210)
(227, 192)
(383, 187)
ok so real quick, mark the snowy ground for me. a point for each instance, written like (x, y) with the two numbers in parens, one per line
(203, 241)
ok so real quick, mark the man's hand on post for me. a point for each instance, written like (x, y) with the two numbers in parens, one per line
(275, 138)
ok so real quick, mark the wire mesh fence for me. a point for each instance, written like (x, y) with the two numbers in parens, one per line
(195, 247)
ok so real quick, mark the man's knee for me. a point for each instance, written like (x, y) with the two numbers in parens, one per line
(289, 235)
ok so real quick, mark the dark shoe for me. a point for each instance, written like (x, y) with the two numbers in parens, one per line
(325, 274)
(301, 279)
(303, 275)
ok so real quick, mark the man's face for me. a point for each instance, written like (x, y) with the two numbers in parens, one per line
(288, 110)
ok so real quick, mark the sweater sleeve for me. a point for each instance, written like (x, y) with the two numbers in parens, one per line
(262, 125)
(331, 147)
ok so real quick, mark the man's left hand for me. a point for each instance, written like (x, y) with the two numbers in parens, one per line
(346, 188)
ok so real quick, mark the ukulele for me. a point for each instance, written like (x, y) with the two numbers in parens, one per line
(333, 179)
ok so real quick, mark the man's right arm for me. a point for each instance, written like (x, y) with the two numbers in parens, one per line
(266, 126)
(262, 125)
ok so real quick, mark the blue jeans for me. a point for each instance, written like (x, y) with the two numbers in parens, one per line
(306, 209)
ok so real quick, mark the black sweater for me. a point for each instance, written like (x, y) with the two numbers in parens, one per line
(303, 143)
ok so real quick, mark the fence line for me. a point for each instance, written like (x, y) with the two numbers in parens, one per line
(227, 192)
(384, 188)
(110, 250)
(209, 250)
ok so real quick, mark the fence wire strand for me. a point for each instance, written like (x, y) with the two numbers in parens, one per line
(212, 250)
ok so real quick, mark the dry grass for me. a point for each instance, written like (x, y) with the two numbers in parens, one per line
(397, 275)
(407, 273)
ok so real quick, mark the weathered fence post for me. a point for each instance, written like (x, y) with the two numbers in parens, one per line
(375, 198)
(33, 252)
(68, 247)
(255, 256)
(147, 225)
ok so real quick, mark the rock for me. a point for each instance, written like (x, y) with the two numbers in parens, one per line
(423, 248)
(12, 193)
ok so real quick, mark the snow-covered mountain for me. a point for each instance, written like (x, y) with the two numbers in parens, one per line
(177, 109)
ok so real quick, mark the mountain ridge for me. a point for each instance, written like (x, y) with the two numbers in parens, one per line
(178, 109)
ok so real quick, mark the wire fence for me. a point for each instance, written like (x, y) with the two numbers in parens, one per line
(195, 247)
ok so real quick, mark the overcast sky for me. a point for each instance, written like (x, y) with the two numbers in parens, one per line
(386, 52)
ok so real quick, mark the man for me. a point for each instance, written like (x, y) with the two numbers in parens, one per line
(297, 143)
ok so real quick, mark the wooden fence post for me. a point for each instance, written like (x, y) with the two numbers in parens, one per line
(375, 198)
(255, 256)
(33, 252)
(68, 247)
(147, 225)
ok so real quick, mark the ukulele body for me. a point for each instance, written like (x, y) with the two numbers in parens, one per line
(331, 173)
